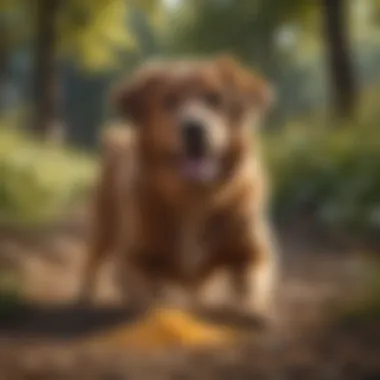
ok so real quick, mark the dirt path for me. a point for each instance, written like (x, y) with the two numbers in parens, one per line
(40, 342)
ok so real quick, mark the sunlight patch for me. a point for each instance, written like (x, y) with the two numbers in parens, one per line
(165, 328)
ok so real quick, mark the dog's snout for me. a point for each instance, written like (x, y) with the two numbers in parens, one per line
(194, 138)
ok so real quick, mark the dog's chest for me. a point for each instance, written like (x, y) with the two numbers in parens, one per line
(196, 241)
(200, 239)
(193, 249)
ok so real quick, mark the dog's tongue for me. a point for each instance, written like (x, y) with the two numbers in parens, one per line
(199, 169)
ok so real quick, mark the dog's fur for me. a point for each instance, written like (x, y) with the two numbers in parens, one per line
(168, 229)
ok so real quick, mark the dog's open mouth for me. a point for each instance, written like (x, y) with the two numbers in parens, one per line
(203, 169)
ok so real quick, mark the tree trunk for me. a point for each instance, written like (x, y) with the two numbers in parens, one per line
(3, 56)
(4, 51)
(339, 58)
(46, 86)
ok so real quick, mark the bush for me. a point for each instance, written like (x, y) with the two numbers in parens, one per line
(337, 172)
(37, 181)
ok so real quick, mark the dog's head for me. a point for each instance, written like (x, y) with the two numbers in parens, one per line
(193, 115)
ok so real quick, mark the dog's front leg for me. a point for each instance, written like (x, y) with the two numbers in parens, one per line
(253, 279)
(140, 288)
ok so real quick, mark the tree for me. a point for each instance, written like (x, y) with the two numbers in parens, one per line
(339, 57)
(46, 90)
(3, 59)
(91, 33)
(9, 37)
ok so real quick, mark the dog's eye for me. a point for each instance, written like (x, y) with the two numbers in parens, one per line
(170, 102)
(213, 99)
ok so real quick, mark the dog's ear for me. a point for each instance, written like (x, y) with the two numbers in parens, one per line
(130, 97)
(249, 89)
(124, 99)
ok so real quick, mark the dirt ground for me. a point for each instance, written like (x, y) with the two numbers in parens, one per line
(45, 340)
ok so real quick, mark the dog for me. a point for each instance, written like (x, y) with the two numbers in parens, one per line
(182, 194)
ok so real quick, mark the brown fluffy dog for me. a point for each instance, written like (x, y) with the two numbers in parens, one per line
(182, 195)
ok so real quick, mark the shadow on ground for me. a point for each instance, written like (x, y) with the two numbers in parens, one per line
(62, 321)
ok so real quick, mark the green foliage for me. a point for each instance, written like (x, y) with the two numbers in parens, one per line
(337, 172)
(94, 32)
(16, 23)
(38, 181)
(247, 28)
(90, 32)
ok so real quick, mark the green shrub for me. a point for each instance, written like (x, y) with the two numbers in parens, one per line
(337, 171)
(37, 180)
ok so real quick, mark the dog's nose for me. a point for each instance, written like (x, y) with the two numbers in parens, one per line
(194, 138)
